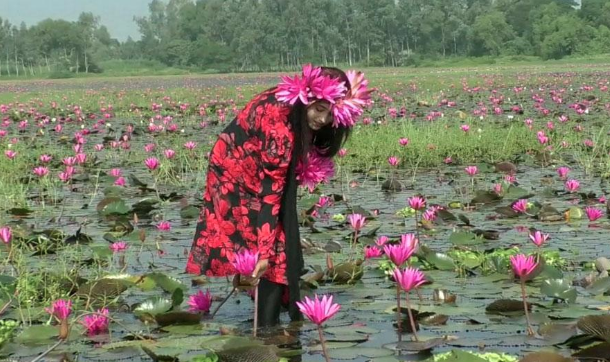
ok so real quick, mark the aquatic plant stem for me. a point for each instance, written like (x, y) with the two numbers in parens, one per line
(411, 320)
(398, 314)
(323, 342)
(41, 356)
(416, 226)
(255, 311)
(223, 302)
(530, 331)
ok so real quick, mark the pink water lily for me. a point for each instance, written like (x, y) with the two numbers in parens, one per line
(381, 240)
(371, 252)
(319, 310)
(538, 238)
(403, 141)
(200, 302)
(523, 265)
(417, 202)
(393, 161)
(408, 279)
(97, 323)
(164, 226)
(6, 234)
(572, 185)
(41, 171)
(60, 309)
(152, 163)
(118, 246)
(520, 206)
(399, 253)
(472, 170)
(593, 213)
(245, 262)
(357, 221)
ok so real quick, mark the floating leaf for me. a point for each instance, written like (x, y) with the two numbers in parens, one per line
(144, 206)
(597, 325)
(189, 212)
(115, 208)
(153, 306)
(456, 355)
(559, 289)
(599, 351)
(257, 353)
(178, 317)
(420, 346)
(439, 260)
(167, 283)
(485, 197)
(464, 238)
(600, 286)
(355, 352)
(502, 306)
(105, 288)
(545, 357)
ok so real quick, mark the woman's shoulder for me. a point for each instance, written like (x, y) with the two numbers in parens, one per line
(263, 110)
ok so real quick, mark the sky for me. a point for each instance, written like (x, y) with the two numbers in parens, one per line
(117, 15)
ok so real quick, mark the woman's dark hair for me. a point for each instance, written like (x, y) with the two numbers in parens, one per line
(329, 139)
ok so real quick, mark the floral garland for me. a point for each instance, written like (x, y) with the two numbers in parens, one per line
(346, 106)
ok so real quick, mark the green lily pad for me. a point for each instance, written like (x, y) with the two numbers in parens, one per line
(440, 261)
(355, 352)
(559, 289)
(189, 212)
(600, 286)
(42, 334)
(177, 317)
(575, 213)
(167, 283)
(153, 306)
(464, 238)
(456, 355)
(117, 207)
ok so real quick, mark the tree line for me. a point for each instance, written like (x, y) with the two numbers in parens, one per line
(254, 35)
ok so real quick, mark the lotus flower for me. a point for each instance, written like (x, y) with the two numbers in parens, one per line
(471, 170)
(245, 262)
(520, 206)
(593, 213)
(169, 154)
(523, 267)
(115, 172)
(118, 246)
(371, 252)
(10, 154)
(319, 310)
(417, 202)
(327, 88)
(200, 302)
(6, 234)
(410, 240)
(60, 309)
(400, 253)
(164, 226)
(152, 163)
(292, 89)
(357, 221)
(408, 279)
(572, 185)
(538, 238)
(381, 240)
(393, 161)
(315, 170)
(403, 141)
(41, 171)
(96, 323)
(45, 158)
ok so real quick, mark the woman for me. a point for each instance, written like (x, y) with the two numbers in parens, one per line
(285, 135)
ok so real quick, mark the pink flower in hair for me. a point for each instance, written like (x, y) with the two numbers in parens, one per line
(328, 88)
(310, 72)
(292, 89)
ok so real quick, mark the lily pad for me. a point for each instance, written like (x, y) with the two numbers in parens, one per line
(420, 346)
(545, 357)
(117, 207)
(464, 238)
(559, 289)
(596, 325)
(600, 286)
(189, 212)
(440, 261)
(153, 306)
(167, 283)
(178, 317)
(355, 352)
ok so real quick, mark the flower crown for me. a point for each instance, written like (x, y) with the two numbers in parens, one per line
(346, 106)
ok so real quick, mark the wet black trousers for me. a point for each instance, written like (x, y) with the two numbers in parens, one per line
(269, 302)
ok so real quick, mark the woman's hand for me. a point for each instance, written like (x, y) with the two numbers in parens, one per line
(259, 270)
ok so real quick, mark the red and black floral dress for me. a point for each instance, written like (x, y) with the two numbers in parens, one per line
(246, 177)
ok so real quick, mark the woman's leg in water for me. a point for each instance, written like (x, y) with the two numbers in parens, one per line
(269, 302)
